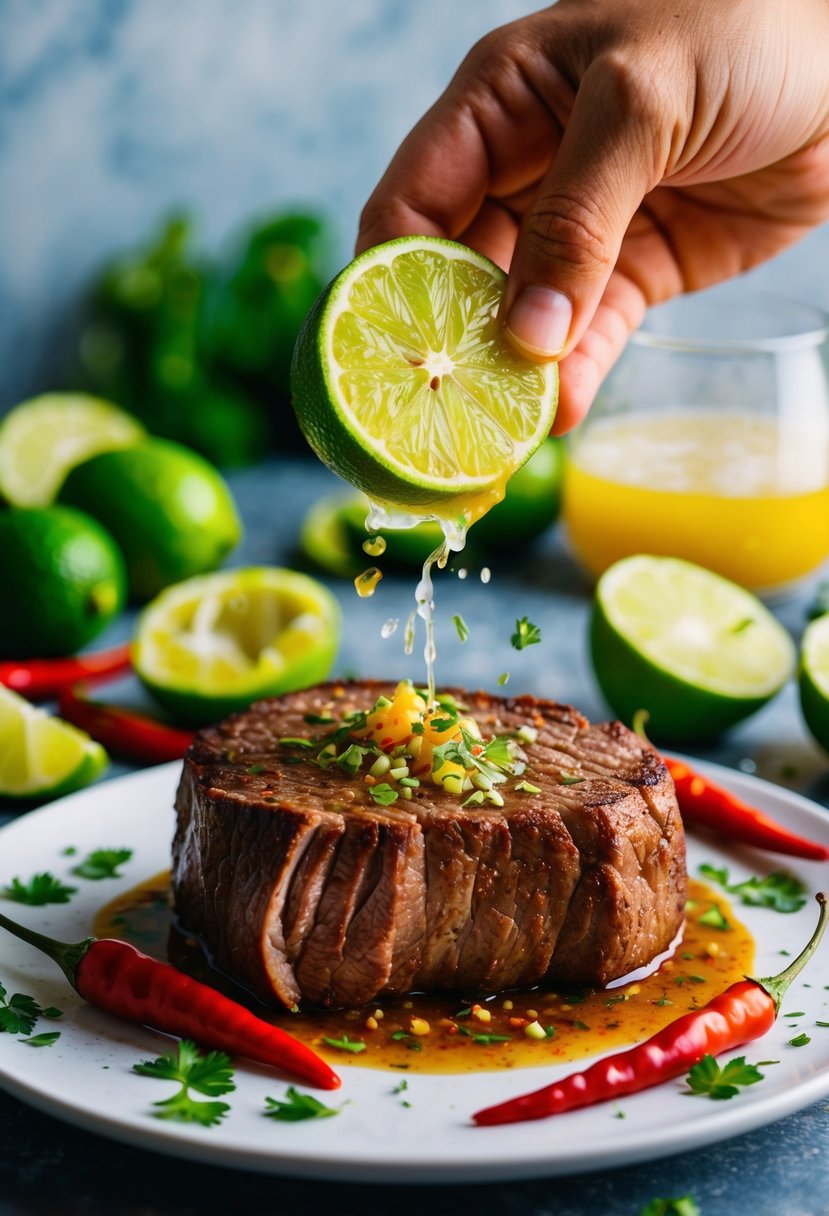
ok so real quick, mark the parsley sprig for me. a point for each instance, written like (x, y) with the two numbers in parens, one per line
(102, 863)
(210, 1074)
(525, 634)
(40, 889)
(684, 1205)
(780, 891)
(708, 1079)
(296, 1106)
(19, 1012)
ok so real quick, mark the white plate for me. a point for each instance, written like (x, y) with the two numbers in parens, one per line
(86, 1076)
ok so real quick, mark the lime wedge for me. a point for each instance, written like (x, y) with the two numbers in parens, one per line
(42, 439)
(404, 384)
(42, 757)
(813, 679)
(696, 651)
(212, 644)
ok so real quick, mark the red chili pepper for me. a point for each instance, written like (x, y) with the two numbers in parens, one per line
(42, 679)
(745, 1011)
(709, 805)
(124, 732)
(114, 976)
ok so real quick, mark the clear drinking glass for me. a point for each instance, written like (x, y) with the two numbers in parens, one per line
(710, 441)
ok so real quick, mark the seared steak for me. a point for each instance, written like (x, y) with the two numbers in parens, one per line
(303, 889)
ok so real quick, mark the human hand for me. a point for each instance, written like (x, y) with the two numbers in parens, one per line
(613, 153)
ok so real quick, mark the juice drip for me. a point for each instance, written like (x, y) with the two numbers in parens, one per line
(375, 546)
(381, 517)
(366, 583)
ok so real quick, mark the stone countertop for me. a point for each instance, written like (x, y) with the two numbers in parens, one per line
(50, 1168)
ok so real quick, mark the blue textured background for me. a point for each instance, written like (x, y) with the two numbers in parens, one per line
(113, 112)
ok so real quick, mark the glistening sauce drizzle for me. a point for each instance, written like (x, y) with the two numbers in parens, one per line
(448, 1033)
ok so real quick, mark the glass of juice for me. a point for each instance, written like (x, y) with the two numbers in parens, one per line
(710, 441)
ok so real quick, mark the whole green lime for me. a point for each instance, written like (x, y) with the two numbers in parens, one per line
(169, 509)
(63, 581)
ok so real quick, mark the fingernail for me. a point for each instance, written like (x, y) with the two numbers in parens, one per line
(539, 322)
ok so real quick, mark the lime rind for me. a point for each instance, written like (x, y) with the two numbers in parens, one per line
(815, 654)
(813, 680)
(404, 384)
(698, 684)
(211, 645)
(40, 755)
(697, 626)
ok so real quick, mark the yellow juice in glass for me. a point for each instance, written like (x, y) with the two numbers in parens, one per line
(731, 491)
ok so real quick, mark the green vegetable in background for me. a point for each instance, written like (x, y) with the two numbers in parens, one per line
(144, 348)
(255, 311)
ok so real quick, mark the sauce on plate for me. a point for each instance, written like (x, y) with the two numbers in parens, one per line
(463, 1032)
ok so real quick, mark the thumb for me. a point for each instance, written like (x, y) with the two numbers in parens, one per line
(612, 153)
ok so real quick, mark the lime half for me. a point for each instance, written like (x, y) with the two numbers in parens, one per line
(211, 645)
(696, 651)
(404, 384)
(42, 439)
(813, 679)
(41, 756)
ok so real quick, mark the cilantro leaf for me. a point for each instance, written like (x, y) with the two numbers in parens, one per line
(18, 1013)
(800, 1040)
(185, 1109)
(209, 1074)
(526, 634)
(355, 1046)
(779, 891)
(352, 758)
(40, 889)
(709, 1079)
(383, 794)
(297, 1106)
(683, 1206)
(102, 863)
(42, 1040)
(714, 919)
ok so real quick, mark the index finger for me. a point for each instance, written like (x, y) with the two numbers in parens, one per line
(435, 184)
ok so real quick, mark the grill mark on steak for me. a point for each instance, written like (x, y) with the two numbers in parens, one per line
(303, 888)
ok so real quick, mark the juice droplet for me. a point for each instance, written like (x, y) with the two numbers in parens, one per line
(409, 635)
(389, 627)
(375, 546)
(486, 574)
(366, 583)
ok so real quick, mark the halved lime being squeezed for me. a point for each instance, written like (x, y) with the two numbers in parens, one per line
(404, 384)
